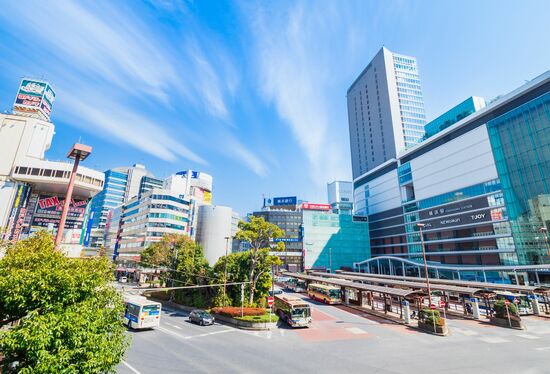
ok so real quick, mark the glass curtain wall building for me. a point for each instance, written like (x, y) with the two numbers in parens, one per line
(385, 110)
(480, 186)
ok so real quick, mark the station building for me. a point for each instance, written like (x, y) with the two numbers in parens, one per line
(479, 184)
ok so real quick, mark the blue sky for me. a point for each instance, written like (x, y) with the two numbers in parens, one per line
(251, 92)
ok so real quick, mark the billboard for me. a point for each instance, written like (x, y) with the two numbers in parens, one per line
(207, 198)
(310, 206)
(460, 219)
(461, 206)
(34, 97)
(289, 200)
(48, 213)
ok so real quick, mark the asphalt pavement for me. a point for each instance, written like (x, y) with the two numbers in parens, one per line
(339, 340)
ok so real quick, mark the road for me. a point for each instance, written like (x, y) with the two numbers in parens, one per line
(339, 340)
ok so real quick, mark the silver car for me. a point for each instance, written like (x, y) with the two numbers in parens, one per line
(201, 317)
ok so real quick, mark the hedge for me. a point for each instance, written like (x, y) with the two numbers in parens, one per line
(233, 311)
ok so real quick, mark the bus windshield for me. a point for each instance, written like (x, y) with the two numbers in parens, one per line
(300, 312)
(334, 294)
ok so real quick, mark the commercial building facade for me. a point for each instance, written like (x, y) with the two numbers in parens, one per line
(385, 110)
(32, 189)
(314, 236)
(215, 231)
(479, 186)
(121, 185)
(143, 221)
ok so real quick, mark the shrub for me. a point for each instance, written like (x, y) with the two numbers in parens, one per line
(500, 310)
(233, 311)
(427, 315)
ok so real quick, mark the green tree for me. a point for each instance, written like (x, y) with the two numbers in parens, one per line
(259, 234)
(68, 318)
(186, 266)
(238, 265)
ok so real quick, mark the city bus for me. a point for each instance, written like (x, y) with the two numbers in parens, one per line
(324, 293)
(141, 313)
(293, 310)
(296, 285)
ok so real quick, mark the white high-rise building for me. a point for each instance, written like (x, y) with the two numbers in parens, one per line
(215, 230)
(385, 110)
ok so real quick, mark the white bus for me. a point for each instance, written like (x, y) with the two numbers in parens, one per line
(292, 310)
(141, 313)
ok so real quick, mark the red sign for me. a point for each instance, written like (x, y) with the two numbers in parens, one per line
(506, 302)
(442, 304)
(432, 306)
(309, 206)
(270, 300)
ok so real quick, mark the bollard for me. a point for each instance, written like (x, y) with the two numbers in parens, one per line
(406, 312)
(536, 307)
(475, 308)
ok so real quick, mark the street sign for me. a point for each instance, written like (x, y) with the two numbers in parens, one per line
(270, 300)
(442, 304)
(506, 302)
(432, 306)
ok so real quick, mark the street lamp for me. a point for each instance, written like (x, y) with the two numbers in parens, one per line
(225, 268)
(544, 231)
(420, 226)
(78, 152)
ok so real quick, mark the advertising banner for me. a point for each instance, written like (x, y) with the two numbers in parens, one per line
(207, 197)
(310, 206)
(289, 200)
(461, 206)
(48, 213)
(34, 96)
(461, 219)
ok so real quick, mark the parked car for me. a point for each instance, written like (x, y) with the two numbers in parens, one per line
(201, 317)
(123, 279)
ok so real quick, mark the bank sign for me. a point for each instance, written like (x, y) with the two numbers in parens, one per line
(34, 97)
(310, 206)
(289, 200)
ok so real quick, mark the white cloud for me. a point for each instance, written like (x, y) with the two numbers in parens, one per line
(300, 55)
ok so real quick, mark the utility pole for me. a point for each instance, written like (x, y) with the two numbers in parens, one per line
(420, 226)
(225, 269)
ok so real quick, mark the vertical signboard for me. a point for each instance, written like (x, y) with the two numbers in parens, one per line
(35, 98)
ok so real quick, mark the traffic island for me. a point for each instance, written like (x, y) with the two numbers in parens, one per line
(430, 321)
(506, 315)
(246, 318)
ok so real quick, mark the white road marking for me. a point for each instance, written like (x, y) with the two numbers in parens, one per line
(212, 333)
(528, 336)
(494, 340)
(356, 330)
(543, 349)
(130, 367)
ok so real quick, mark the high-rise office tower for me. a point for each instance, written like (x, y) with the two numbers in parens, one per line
(385, 110)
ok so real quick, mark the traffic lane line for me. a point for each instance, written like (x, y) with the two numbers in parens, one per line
(130, 367)
(187, 337)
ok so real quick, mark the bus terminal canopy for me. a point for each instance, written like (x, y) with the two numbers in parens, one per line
(399, 283)
(397, 292)
(459, 283)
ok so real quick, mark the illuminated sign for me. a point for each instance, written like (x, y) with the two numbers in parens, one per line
(290, 200)
(34, 97)
(309, 206)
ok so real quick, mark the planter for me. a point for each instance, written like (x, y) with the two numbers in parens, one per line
(245, 325)
(429, 327)
(503, 322)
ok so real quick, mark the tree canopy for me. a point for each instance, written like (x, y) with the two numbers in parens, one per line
(67, 316)
(259, 234)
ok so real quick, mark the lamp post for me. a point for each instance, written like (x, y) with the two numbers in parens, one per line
(225, 268)
(330, 259)
(78, 152)
(420, 226)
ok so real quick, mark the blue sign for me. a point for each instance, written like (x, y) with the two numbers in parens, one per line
(289, 200)
(286, 240)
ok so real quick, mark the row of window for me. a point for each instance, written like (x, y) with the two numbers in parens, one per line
(57, 174)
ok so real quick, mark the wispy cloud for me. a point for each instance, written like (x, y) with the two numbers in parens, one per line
(114, 70)
(300, 54)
